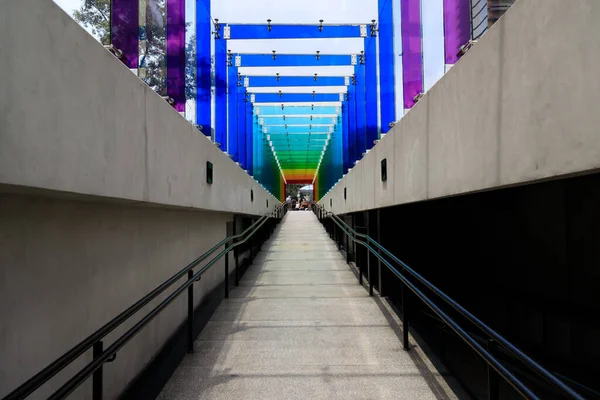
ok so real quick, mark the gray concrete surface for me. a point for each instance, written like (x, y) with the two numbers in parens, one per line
(521, 106)
(103, 196)
(74, 119)
(68, 267)
(300, 327)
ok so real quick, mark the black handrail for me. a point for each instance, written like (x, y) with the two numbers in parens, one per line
(487, 356)
(59, 364)
(537, 368)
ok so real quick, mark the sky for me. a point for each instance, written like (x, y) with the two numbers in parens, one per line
(310, 12)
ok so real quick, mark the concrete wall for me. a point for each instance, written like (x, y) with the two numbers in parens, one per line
(520, 106)
(73, 118)
(103, 196)
(68, 267)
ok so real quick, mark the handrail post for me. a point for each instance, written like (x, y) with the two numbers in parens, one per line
(359, 260)
(492, 376)
(260, 236)
(369, 271)
(273, 224)
(405, 317)
(98, 376)
(251, 243)
(190, 318)
(227, 270)
(380, 279)
(368, 254)
(347, 246)
(236, 255)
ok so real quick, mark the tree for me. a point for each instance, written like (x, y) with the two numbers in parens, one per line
(293, 189)
(95, 16)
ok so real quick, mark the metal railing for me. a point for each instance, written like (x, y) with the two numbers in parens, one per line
(257, 233)
(337, 228)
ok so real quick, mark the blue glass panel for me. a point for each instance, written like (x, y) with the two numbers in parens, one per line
(293, 32)
(371, 96)
(297, 129)
(241, 125)
(387, 61)
(203, 66)
(352, 125)
(293, 60)
(276, 110)
(258, 81)
(295, 97)
(249, 137)
(221, 93)
(345, 137)
(290, 120)
(232, 117)
(361, 116)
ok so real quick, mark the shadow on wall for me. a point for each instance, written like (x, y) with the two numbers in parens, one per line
(523, 259)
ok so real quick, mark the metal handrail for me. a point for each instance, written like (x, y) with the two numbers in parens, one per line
(59, 364)
(513, 350)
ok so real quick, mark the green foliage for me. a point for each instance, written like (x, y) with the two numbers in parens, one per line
(293, 189)
(95, 16)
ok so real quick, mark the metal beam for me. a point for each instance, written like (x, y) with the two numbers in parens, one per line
(310, 105)
(294, 97)
(293, 32)
(292, 60)
(264, 81)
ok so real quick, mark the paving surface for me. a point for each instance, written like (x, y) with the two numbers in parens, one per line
(300, 327)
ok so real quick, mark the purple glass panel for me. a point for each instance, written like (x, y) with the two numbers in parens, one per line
(176, 53)
(412, 60)
(457, 27)
(125, 28)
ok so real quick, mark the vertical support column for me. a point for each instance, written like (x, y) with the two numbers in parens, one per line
(236, 253)
(232, 113)
(241, 122)
(227, 270)
(124, 30)
(249, 135)
(367, 252)
(98, 376)
(175, 58)
(405, 311)
(412, 59)
(457, 28)
(221, 92)
(346, 136)
(337, 143)
(361, 116)
(190, 320)
(387, 67)
(493, 389)
(352, 128)
(371, 97)
(380, 283)
(203, 66)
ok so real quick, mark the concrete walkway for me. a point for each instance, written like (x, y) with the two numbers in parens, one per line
(300, 327)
